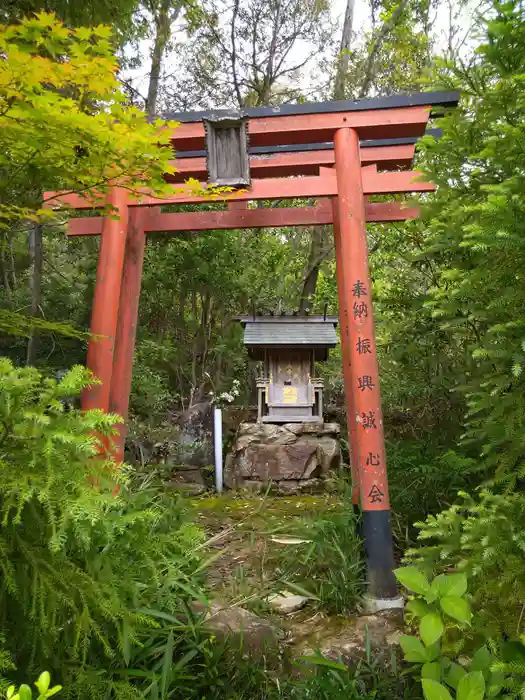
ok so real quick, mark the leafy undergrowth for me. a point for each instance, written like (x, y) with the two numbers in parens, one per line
(307, 545)
(325, 680)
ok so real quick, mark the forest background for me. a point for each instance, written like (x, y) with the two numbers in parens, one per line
(437, 342)
(252, 54)
(448, 288)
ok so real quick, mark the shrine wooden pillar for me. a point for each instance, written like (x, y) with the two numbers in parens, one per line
(127, 323)
(362, 378)
(106, 301)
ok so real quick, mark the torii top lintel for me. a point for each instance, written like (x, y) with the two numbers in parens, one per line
(298, 140)
(397, 116)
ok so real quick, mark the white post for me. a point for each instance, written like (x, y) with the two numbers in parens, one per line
(217, 441)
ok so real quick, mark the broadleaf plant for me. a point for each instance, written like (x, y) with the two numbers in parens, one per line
(24, 692)
(443, 612)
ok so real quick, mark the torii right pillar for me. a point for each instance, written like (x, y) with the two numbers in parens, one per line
(362, 378)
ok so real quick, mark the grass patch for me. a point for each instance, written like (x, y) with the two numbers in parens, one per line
(207, 668)
(368, 681)
(326, 565)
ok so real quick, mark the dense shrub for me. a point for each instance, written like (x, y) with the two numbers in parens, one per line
(79, 561)
(485, 538)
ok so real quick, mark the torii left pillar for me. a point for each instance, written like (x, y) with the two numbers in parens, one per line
(127, 323)
(106, 300)
(115, 311)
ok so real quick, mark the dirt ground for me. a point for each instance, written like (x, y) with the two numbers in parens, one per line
(247, 533)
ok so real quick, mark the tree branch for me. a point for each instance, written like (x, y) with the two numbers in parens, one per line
(378, 41)
(234, 54)
(344, 57)
(269, 76)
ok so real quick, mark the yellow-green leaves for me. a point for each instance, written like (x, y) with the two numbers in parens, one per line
(440, 605)
(413, 649)
(450, 585)
(471, 687)
(417, 607)
(43, 683)
(24, 693)
(457, 608)
(447, 589)
(434, 690)
(454, 674)
(64, 120)
(432, 671)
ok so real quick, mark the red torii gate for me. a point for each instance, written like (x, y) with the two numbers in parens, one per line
(293, 151)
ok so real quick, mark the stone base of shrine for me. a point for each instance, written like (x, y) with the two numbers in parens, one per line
(291, 457)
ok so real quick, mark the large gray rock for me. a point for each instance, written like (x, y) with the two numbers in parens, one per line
(267, 433)
(291, 455)
(277, 462)
(328, 451)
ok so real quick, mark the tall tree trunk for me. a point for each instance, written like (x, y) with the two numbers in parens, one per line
(35, 285)
(3, 265)
(370, 68)
(316, 256)
(234, 55)
(12, 259)
(163, 22)
(269, 77)
(310, 280)
(344, 57)
(318, 233)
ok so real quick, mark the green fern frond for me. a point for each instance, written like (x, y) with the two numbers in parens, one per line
(78, 561)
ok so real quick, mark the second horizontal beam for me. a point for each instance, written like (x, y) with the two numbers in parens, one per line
(267, 217)
(324, 185)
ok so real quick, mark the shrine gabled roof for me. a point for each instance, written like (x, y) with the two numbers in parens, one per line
(290, 332)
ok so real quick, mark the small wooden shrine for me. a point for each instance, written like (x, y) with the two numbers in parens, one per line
(289, 347)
